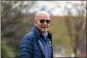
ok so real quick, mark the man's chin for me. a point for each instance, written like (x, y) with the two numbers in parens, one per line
(44, 29)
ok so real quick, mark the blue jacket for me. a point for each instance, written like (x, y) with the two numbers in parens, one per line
(30, 45)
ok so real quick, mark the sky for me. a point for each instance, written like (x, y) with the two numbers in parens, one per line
(55, 7)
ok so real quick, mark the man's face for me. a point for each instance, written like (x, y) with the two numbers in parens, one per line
(42, 22)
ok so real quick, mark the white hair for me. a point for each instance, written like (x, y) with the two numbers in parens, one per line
(42, 12)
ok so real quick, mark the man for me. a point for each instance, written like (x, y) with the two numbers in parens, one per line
(38, 43)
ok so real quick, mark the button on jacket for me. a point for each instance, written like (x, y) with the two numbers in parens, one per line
(34, 45)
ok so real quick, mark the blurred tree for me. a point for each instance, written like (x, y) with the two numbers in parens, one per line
(76, 25)
(14, 24)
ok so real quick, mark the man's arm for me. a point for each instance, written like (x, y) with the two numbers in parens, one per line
(26, 49)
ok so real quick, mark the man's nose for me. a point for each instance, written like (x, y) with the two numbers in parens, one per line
(45, 22)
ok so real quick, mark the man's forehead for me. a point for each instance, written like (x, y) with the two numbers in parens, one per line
(43, 17)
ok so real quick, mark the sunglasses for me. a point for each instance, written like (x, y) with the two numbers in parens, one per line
(47, 21)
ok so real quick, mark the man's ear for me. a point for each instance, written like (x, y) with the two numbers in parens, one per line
(35, 21)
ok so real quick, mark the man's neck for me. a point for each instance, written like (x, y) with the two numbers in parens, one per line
(45, 34)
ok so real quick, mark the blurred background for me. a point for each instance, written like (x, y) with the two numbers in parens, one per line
(68, 26)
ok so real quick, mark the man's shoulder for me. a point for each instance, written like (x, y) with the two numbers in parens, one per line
(29, 35)
(50, 34)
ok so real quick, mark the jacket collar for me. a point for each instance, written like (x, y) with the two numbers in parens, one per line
(36, 32)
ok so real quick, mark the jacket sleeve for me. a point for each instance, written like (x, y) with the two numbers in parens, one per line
(26, 48)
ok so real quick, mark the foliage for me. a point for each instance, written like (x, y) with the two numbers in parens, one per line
(14, 25)
(76, 26)
(6, 50)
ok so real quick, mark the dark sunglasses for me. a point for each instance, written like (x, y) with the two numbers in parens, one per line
(47, 21)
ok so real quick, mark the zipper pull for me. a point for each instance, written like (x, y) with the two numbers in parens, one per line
(40, 44)
(49, 43)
